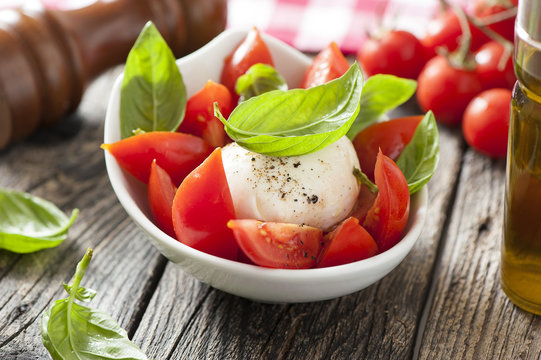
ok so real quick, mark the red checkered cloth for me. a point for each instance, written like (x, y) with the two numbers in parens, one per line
(310, 25)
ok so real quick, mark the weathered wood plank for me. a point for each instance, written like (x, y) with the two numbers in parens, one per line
(66, 166)
(189, 320)
(470, 317)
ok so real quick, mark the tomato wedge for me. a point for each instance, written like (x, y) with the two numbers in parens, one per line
(176, 153)
(200, 120)
(347, 243)
(328, 65)
(389, 136)
(278, 245)
(387, 218)
(252, 50)
(161, 192)
(202, 207)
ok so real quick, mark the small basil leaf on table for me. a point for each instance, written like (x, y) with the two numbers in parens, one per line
(381, 93)
(421, 155)
(153, 94)
(259, 79)
(298, 121)
(73, 331)
(29, 223)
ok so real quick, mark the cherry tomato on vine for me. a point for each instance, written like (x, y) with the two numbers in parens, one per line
(347, 243)
(396, 52)
(328, 65)
(278, 245)
(200, 120)
(176, 153)
(161, 192)
(487, 8)
(202, 207)
(446, 90)
(389, 136)
(486, 122)
(252, 50)
(387, 218)
(488, 59)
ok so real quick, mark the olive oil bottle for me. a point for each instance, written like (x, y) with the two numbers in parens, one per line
(521, 246)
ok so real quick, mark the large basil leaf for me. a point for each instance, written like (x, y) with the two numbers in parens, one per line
(153, 95)
(381, 93)
(298, 121)
(420, 157)
(29, 223)
(73, 331)
(259, 79)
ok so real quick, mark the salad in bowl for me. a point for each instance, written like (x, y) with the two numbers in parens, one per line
(265, 173)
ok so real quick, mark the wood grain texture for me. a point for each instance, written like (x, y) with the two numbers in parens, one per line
(470, 317)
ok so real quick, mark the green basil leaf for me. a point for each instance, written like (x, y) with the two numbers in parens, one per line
(153, 95)
(420, 157)
(73, 331)
(259, 79)
(29, 223)
(381, 93)
(298, 121)
(82, 294)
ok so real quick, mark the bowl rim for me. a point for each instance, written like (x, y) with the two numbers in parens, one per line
(418, 203)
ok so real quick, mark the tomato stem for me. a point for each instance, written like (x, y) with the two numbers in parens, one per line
(362, 179)
(496, 18)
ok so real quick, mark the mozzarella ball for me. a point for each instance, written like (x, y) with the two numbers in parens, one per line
(317, 189)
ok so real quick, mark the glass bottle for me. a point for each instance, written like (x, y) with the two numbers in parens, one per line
(521, 246)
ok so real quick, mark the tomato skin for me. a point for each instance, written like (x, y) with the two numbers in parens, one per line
(202, 207)
(161, 192)
(397, 53)
(176, 153)
(487, 59)
(505, 28)
(445, 31)
(364, 203)
(486, 122)
(389, 136)
(200, 120)
(252, 50)
(347, 243)
(446, 90)
(278, 245)
(328, 65)
(388, 216)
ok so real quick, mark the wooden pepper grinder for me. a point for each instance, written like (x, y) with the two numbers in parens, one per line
(48, 57)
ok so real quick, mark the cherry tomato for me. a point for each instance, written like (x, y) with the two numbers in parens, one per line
(486, 8)
(389, 136)
(486, 122)
(347, 243)
(176, 153)
(200, 120)
(278, 245)
(252, 50)
(446, 90)
(445, 31)
(202, 207)
(397, 53)
(161, 192)
(387, 218)
(328, 65)
(488, 59)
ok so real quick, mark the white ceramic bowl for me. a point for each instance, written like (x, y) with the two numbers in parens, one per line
(249, 281)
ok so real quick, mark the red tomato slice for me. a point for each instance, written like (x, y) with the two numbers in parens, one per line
(389, 136)
(328, 65)
(176, 153)
(278, 245)
(252, 50)
(200, 120)
(387, 218)
(202, 207)
(364, 203)
(161, 192)
(347, 243)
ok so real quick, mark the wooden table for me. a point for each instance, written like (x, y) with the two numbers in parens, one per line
(443, 302)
